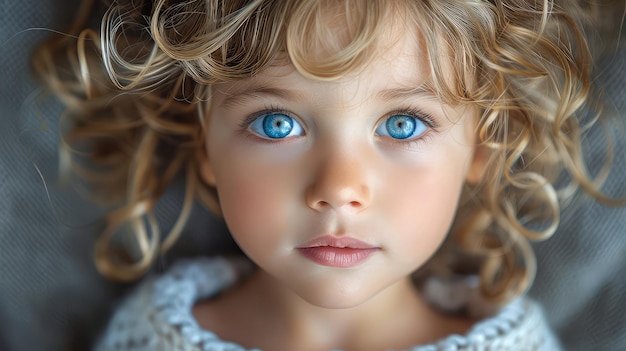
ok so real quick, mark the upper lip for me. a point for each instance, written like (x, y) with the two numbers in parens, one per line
(338, 242)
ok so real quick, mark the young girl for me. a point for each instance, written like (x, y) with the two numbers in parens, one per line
(383, 165)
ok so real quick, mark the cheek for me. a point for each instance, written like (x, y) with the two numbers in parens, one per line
(255, 205)
(423, 200)
(244, 201)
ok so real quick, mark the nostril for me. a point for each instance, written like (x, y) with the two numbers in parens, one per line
(322, 198)
(323, 204)
(355, 204)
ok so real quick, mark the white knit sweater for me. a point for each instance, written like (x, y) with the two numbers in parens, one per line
(157, 317)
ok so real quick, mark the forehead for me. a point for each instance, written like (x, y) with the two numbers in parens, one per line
(399, 65)
(335, 42)
(338, 42)
(396, 54)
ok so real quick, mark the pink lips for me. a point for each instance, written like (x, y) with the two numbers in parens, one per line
(344, 252)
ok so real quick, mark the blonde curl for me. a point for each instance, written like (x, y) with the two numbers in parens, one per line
(138, 89)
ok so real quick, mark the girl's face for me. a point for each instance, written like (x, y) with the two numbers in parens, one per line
(340, 189)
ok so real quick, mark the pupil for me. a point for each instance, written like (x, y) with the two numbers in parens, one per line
(277, 126)
(400, 127)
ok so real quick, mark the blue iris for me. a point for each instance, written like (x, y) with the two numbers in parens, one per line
(401, 127)
(276, 126)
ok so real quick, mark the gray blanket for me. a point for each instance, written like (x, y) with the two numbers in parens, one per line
(51, 297)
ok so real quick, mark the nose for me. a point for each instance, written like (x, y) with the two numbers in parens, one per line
(340, 183)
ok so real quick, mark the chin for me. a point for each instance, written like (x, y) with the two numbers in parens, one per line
(331, 296)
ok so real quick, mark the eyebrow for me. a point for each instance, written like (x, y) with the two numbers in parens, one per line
(255, 91)
(258, 90)
(400, 93)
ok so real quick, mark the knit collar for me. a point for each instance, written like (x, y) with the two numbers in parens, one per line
(519, 325)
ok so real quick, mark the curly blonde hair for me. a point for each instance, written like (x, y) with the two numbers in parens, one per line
(137, 89)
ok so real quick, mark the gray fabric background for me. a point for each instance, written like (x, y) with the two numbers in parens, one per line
(51, 297)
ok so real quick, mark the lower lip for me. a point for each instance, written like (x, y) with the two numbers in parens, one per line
(337, 256)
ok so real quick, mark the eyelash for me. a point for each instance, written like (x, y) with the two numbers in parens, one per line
(244, 126)
(415, 113)
(426, 118)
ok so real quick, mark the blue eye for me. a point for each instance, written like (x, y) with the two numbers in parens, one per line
(401, 127)
(276, 126)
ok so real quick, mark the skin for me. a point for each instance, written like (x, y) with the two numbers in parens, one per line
(339, 177)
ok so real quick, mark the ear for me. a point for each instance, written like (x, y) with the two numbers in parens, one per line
(206, 171)
(478, 165)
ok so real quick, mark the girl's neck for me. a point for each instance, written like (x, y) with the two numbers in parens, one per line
(263, 313)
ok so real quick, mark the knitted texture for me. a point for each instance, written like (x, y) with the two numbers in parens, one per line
(157, 316)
